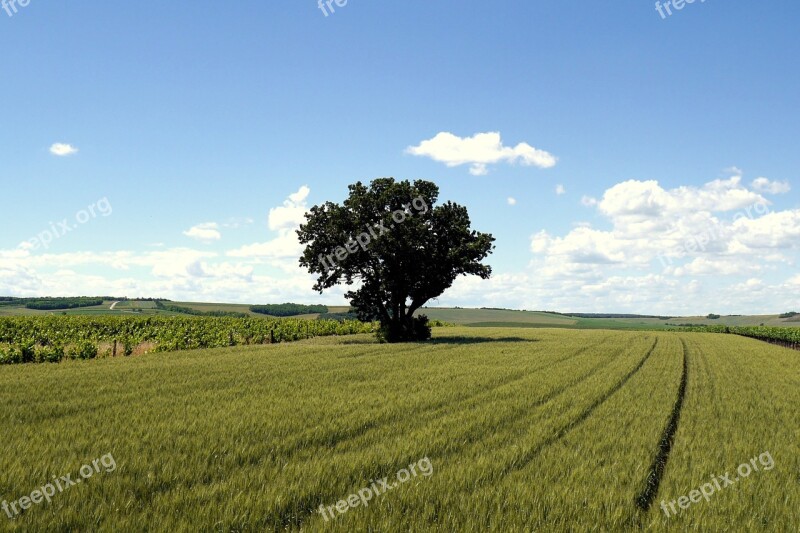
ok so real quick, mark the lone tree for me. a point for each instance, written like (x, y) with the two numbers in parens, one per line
(400, 249)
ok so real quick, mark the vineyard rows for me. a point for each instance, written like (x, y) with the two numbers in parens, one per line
(788, 337)
(53, 338)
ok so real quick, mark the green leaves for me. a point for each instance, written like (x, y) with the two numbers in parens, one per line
(399, 248)
(28, 339)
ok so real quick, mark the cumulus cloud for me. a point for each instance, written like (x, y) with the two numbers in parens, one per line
(766, 186)
(283, 250)
(649, 222)
(511, 200)
(560, 190)
(633, 199)
(256, 273)
(479, 151)
(205, 232)
(284, 246)
(698, 238)
(291, 213)
(62, 149)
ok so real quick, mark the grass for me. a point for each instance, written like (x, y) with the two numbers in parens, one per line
(526, 429)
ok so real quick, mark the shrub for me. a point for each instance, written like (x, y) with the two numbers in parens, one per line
(82, 350)
(52, 353)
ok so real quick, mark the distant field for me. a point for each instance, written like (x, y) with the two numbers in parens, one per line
(201, 306)
(135, 304)
(483, 316)
(525, 430)
(21, 310)
(467, 317)
(747, 320)
(507, 318)
(535, 319)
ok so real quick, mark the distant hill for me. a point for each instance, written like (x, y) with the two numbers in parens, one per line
(484, 317)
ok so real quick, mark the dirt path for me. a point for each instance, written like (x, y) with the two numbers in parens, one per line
(113, 306)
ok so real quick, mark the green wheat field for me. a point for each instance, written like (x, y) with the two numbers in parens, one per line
(525, 429)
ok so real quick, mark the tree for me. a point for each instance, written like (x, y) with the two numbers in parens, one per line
(401, 249)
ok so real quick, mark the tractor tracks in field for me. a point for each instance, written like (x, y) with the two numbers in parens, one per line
(439, 408)
(646, 497)
(291, 514)
(520, 462)
(577, 421)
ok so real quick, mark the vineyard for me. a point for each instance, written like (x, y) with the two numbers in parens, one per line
(787, 337)
(53, 338)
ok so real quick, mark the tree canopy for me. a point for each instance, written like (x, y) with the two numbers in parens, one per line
(397, 247)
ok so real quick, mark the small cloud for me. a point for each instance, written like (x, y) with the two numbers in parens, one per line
(478, 169)
(205, 232)
(238, 222)
(560, 190)
(512, 201)
(62, 149)
(771, 187)
(299, 196)
(479, 151)
(588, 201)
(734, 171)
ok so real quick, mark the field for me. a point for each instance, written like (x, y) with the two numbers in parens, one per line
(468, 317)
(525, 429)
(537, 319)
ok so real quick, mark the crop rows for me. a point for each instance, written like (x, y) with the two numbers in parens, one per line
(527, 430)
(788, 337)
(53, 338)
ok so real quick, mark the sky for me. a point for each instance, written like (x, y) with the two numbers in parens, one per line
(626, 160)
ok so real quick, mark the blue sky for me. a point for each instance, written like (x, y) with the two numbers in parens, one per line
(208, 130)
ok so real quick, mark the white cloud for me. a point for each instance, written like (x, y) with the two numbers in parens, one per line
(292, 213)
(560, 190)
(284, 250)
(62, 149)
(511, 200)
(205, 232)
(701, 239)
(733, 171)
(479, 151)
(766, 186)
(284, 246)
(588, 201)
(638, 200)
(237, 222)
